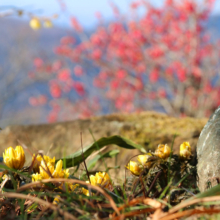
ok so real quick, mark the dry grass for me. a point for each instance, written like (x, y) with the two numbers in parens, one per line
(165, 191)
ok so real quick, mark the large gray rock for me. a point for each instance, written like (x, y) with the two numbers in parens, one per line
(208, 153)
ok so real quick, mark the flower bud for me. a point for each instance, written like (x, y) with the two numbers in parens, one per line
(143, 160)
(14, 158)
(134, 167)
(185, 151)
(163, 151)
(48, 24)
(35, 23)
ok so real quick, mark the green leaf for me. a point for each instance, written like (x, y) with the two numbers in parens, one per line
(108, 154)
(214, 191)
(77, 158)
(117, 199)
(93, 162)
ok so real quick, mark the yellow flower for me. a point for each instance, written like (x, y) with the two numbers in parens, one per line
(68, 187)
(56, 200)
(5, 176)
(14, 158)
(36, 177)
(85, 191)
(103, 179)
(163, 151)
(100, 179)
(38, 159)
(134, 167)
(47, 171)
(35, 23)
(185, 151)
(48, 24)
(72, 187)
(59, 172)
(143, 160)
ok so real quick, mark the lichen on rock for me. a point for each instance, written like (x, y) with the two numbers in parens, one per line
(208, 153)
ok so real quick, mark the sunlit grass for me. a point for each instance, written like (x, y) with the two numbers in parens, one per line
(164, 187)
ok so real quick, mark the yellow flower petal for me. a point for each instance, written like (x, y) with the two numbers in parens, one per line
(93, 180)
(163, 151)
(20, 157)
(36, 177)
(100, 179)
(85, 191)
(38, 159)
(134, 167)
(185, 151)
(14, 158)
(58, 170)
(46, 170)
(72, 187)
(56, 200)
(35, 23)
(142, 159)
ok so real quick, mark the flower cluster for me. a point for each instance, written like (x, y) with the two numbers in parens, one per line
(47, 171)
(35, 23)
(100, 179)
(162, 152)
(38, 159)
(43, 166)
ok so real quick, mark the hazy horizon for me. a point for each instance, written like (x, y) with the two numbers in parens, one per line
(83, 10)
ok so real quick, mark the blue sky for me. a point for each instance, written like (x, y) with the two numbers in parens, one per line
(84, 10)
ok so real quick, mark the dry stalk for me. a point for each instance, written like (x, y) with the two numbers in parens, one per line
(30, 185)
(39, 201)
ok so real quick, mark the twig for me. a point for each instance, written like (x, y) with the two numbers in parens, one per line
(188, 203)
(39, 201)
(73, 181)
(152, 184)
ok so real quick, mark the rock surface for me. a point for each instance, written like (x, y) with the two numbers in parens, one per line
(208, 153)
